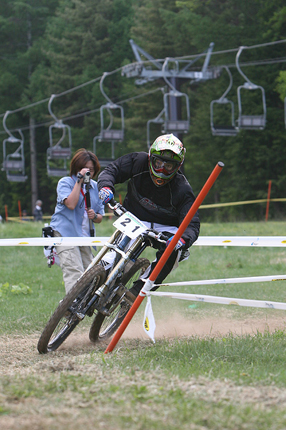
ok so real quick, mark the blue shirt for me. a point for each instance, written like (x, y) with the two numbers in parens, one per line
(66, 221)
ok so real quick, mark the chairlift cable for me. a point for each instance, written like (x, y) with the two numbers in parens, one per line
(227, 51)
(27, 106)
(86, 112)
(263, 62)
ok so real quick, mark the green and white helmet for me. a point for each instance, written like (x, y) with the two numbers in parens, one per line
(166, 155)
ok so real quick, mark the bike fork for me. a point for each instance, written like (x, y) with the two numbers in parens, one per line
(118, 269)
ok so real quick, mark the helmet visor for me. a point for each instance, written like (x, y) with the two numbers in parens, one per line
(164, 166)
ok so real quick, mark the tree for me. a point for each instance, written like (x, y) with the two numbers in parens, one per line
(80, 40)
(22, 25)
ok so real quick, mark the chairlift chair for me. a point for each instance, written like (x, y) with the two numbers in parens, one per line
(57, 155)
(219, 129)
(178, 125)
(14, 162)
(250, 122)
(168, 125)
(109, 133)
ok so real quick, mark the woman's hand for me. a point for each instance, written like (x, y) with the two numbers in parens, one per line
(90, 213)
(97, 218)
(81, 174)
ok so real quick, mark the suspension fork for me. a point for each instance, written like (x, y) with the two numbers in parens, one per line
(109, 245)
(125, 258)
(106, 247)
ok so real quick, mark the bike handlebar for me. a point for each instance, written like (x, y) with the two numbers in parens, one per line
(158, 236)
(116, 207)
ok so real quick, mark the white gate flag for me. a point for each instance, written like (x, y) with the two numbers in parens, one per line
(149, 324)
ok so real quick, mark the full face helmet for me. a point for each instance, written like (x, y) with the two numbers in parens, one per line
(166, 155)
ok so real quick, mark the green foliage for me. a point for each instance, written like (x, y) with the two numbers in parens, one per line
(6, 288)
(67, 43)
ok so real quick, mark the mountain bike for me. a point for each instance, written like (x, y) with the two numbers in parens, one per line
(103, 290)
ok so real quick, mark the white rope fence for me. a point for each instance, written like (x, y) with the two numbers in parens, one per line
(149, 324)
(222, 300)
(225, 241)
(254, 241)
(228, 281)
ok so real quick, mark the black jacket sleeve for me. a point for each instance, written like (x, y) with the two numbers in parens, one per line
(116, 172)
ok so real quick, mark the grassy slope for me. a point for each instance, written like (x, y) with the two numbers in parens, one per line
(233, 382)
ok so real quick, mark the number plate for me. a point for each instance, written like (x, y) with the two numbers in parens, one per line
(130, 225)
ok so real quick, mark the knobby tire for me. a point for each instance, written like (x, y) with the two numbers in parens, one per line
(60, 325)
(104, 326)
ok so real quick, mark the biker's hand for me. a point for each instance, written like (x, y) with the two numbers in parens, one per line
(179, 244)
(105, 194)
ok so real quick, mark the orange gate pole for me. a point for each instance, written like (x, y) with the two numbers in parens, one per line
(168, 251)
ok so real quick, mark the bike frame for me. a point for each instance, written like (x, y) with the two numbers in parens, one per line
(125, 253)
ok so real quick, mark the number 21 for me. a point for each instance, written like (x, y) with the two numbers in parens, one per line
(128, 221)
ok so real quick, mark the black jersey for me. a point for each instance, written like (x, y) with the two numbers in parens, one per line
(167, 204)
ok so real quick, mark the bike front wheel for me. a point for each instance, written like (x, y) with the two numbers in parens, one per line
(104, 326)
(68, 313)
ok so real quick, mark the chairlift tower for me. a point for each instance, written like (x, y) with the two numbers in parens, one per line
(174, 72)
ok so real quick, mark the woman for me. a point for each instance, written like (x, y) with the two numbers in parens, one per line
(72, 216)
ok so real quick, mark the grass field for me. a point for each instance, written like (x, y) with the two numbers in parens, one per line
(212, 366)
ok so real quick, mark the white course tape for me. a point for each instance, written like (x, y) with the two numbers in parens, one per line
(222, 300)
(55, 241)
(254, 241)
(227, 281)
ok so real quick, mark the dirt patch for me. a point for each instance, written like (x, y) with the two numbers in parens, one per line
(19, 354)
(178, 326)
(19, 358)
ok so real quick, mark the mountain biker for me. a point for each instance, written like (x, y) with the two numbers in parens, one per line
(71, 216)
(158, 194)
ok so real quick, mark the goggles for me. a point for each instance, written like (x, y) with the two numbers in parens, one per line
(162, 165)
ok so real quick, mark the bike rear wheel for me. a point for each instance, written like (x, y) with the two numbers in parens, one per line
(104, 326)
(66, 316)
